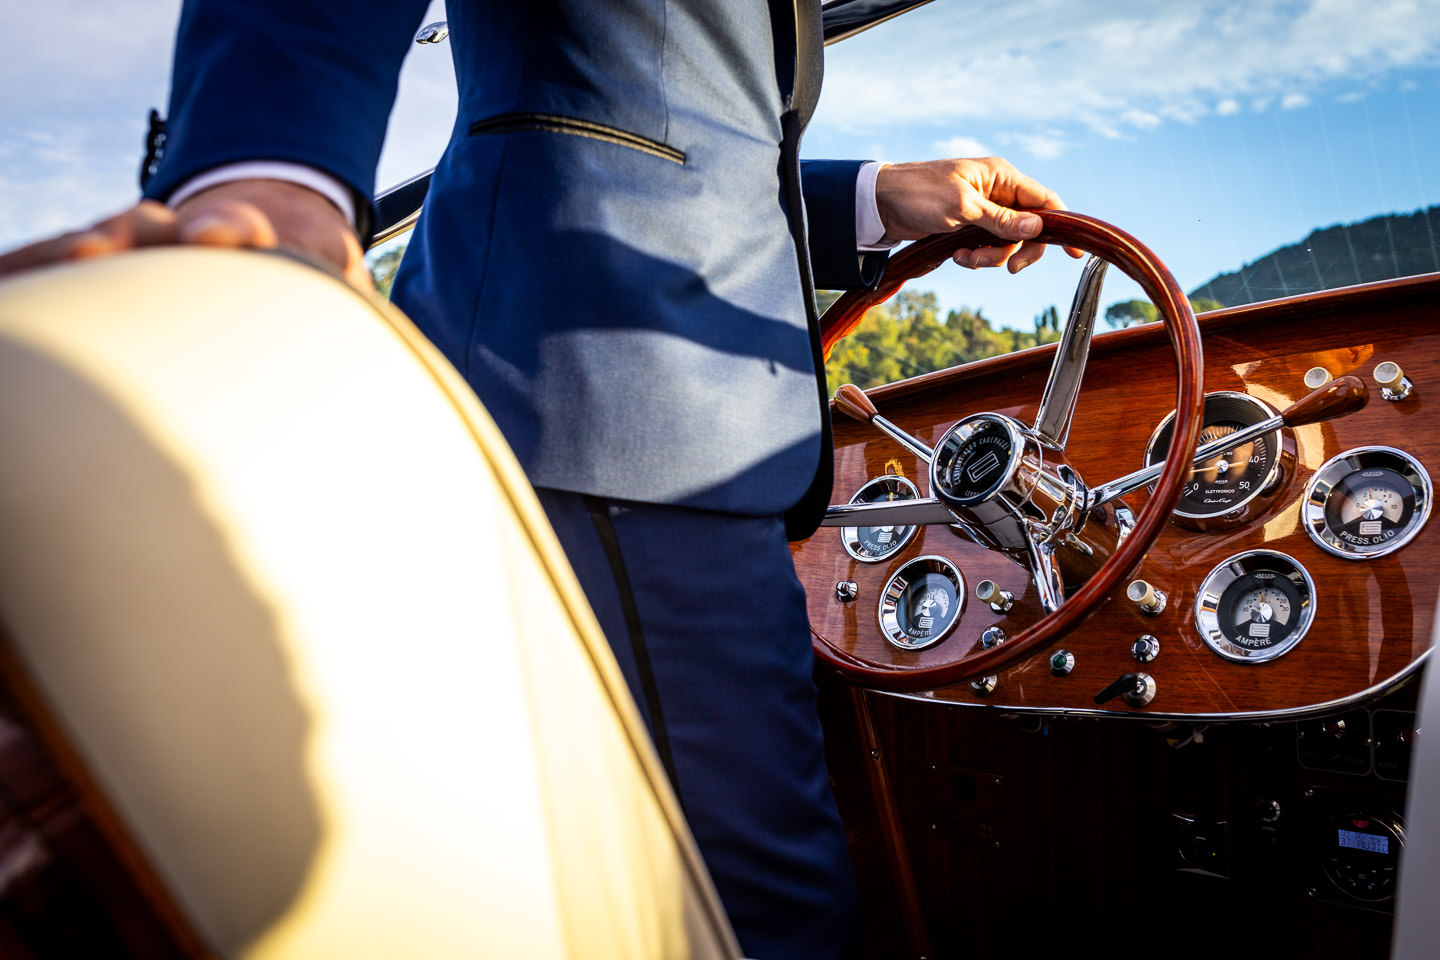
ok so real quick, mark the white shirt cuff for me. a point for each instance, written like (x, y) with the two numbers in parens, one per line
(869, 231)
(322, 183)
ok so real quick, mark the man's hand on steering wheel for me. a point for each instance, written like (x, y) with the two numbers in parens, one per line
(916, 200)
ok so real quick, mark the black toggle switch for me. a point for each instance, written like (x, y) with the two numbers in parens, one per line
(1138, 689)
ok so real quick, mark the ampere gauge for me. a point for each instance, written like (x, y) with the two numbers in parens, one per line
(873, 544)
(922, 603)
(1255, 606)
(1231, 486)
(1367, 502)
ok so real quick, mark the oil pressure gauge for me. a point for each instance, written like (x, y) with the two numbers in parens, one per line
(921, 603)
(873, 544)
(1255, 606)
(1367, 502)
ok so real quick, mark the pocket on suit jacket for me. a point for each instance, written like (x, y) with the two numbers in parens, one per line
(554, 123)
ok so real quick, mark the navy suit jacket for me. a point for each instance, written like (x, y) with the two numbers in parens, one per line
(609, 248)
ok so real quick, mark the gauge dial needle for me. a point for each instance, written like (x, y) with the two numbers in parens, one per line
(1341, 396)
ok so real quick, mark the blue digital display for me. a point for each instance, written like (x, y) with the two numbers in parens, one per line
(1375, 843)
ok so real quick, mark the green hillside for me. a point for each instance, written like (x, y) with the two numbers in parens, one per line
(1393, 245)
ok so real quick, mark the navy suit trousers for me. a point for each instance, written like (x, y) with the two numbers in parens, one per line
(707, 619)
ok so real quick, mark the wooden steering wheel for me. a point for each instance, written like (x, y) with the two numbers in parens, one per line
(1014, 506)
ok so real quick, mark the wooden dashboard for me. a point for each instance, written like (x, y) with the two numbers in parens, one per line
(1373, 618)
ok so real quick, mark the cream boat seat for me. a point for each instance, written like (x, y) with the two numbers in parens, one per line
(301, 625)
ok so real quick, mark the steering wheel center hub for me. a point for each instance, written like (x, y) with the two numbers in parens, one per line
(975, 459)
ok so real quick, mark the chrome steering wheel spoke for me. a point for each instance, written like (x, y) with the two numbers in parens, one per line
(1057, 404)
(1045, 574)
(898, 513)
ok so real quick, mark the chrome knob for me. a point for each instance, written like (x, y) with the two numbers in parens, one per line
(846, 590)
(1394, 385)
(1146, 597)
(1317, 377)
(1142, 692)
(992, 637)
(985, 685)
(1062, 662)
(987, 591)
(1146, 648)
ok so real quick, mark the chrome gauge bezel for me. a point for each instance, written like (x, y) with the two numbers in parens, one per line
(1210, 595)
(850, 536)
(895, 587)
(1318, 491)
(1274, 441)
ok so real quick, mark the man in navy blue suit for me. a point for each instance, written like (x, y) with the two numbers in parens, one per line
(619, 252)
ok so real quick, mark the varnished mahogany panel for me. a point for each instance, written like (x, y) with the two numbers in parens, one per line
(1373, 618)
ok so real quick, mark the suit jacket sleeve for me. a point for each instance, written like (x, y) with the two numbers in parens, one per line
(829, 188)
(310, 83)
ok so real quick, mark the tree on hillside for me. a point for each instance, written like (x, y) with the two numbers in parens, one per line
(1047, 325)
(1128, 313)
(904, 337)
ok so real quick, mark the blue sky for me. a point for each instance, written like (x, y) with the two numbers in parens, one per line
(1213, 131)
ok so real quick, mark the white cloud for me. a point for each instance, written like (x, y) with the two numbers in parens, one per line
(1227, 107)
(1042, 146)
(1294, 101)
(1142, 119)
(961, 147)
(1124, 64)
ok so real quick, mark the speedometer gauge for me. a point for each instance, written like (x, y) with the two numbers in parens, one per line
(873, 544)
(1367, 502)
(1255, 606)
(1227, 487)
(922, 603)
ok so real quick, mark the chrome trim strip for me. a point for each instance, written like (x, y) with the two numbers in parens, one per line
(1373, 692)
(843, 19)
(397, 208)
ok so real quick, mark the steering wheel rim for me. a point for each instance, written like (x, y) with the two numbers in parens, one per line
(1061, 227)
